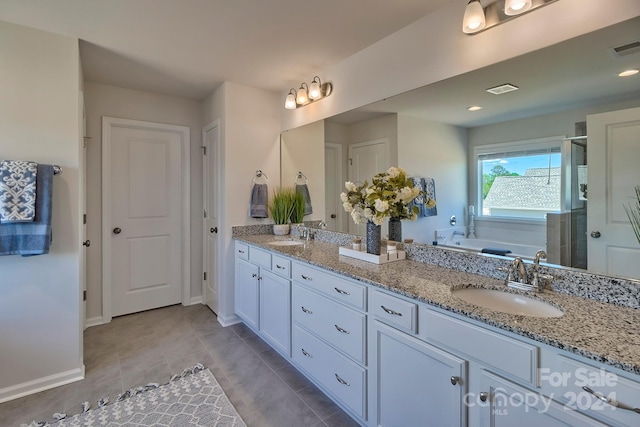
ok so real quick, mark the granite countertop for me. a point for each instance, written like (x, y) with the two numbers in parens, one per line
(596, 330)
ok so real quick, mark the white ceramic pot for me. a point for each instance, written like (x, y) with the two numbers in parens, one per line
(281, 229)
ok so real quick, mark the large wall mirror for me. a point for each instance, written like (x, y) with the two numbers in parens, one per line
(539, 136)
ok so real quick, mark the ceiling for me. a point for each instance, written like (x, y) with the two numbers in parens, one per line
(189, 47)
(573, 74)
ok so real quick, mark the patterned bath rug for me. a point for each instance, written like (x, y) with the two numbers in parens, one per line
(193, 398)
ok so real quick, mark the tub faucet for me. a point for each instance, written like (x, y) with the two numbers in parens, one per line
(458, 233)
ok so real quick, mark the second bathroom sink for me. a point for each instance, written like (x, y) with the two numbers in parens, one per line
(507, 302)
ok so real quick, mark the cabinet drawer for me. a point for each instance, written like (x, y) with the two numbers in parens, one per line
(242, 250)
(568, 376)
(260, 257)
(394, 311)
(281, 266)
(343, 378)
(340, 326)
(502, 353)
(340, 289)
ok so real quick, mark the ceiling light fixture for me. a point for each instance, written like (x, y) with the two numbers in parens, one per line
(478, 18)
(307, 94)
(474, 108)
(627, 73)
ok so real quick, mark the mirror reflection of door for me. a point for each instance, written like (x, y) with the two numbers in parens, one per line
(365, 160)
(613, 173)
(333, 186)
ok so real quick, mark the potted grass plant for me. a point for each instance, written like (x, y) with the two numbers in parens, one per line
(297, 215)
(633, 212)
(281, 207)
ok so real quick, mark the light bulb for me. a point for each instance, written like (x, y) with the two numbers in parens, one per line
(474, 19)
(314, 89)
(290, 102)
(301, 96)
(515, 7)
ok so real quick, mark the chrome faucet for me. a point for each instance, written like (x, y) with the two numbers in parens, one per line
(535, 282)
(305, 232)
(518, 267)
(458, 233)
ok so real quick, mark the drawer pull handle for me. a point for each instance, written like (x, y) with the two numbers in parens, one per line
(306, 310)
(389, 311)
(344, 331)
(611, 401)
(340, 291)
(483, 396)
(341, 381)
(455, 380)
(306, 277)
(279, 266)
(309, 355)
(240, 251)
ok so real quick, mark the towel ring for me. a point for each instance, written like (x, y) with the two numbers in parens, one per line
(299, 176)
(260, 174)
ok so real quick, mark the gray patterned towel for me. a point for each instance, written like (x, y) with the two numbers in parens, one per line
(17, 191)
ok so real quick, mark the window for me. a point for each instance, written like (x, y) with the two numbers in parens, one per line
(519, 180)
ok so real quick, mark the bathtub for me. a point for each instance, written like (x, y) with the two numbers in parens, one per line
(517, 250)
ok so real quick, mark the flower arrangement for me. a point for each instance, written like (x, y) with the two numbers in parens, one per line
(389, 195)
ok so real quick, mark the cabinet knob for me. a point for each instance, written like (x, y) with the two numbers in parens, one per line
(595, 234)
(86, 243)
(213, 230)
(117, 230)
(455, 380)
(483, 396)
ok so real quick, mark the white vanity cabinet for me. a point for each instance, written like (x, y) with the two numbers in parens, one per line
(263, 294)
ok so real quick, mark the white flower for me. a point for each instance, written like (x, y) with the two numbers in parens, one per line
(350, 186)
(378, 220)
(413, 216)
(393, 172)
(355, 215)
(370, 191)
(381, 205)
(368, 213)
(344, 197)
(348, 207)
(407, 194)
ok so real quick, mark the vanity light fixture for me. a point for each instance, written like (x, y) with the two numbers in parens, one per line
(307, 94)
(478, 18)
(627, 73)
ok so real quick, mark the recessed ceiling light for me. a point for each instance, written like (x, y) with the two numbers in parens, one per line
(499, 90)
(474, 108)
(628, 73)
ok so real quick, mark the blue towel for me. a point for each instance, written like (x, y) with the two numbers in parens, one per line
(32, 238)
(427, 188)
(302, 188)
(17, 191)
(259, 201)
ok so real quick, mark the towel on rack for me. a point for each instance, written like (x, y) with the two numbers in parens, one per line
(32, 238)
(17, 191)
(259, 201)
(304, 189)
(429, 187)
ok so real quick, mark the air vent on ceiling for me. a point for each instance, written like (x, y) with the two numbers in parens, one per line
(499, 90)
(626, 49)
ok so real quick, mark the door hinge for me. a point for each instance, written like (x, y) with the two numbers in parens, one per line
(204, 150)
(84, 295)
(205, 275)
(84, 218)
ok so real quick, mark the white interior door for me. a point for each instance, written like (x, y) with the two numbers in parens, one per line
(367, 159)
(613, 173)
(334, 184)
(210, 250)
(143, 214)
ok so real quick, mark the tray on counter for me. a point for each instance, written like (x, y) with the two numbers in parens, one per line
(383, 258)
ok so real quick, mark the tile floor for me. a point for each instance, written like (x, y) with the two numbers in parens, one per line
(151, 346)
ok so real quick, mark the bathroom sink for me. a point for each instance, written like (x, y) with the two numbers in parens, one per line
(286, 243)
(507, 302)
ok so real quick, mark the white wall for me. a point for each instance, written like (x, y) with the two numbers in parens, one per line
(434, 48)
(40, 297)
(302, 150)
(432, 149)
(250, 140)
(104, 100)
(380, 128)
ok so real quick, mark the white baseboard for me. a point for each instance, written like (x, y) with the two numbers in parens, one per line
(41, 384)
(196, 300)
(94, 321)
(228, 321)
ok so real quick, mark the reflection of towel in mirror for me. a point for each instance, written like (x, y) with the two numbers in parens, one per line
(427, 189)
(17, 191)
(259, 201)
(302, 188)
(32, 238)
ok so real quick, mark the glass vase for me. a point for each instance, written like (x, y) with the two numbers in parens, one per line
(373, 238)
(395, 229)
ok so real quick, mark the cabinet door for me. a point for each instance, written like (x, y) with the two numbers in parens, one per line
(417, 384)
(247, 292)
(503, 403)
(275, 311)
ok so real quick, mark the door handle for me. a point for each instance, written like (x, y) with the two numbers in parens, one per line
(213, 229)
(117, 230)
(595, 234)
(86, 243)
(333, 216)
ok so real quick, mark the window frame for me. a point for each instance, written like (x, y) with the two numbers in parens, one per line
(553, 142)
